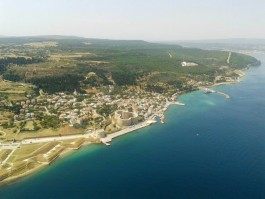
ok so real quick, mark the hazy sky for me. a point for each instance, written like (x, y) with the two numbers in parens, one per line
(135, 19)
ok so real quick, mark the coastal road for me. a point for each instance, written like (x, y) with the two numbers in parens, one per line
(56, 138)
(109, 137)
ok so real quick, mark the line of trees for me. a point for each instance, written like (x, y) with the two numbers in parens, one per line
(4, 62)
(63, 83)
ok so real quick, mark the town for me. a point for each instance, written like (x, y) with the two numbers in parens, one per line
(85, 110)
(97, 117)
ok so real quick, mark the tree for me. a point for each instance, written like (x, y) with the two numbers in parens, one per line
(50, 121)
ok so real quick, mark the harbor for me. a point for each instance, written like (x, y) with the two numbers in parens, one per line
(151, 120)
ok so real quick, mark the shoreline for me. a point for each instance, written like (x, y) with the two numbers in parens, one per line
(68, 151)
(148, 122)
(14, 179)
(240, 78)
(109, 137)
(63, 154)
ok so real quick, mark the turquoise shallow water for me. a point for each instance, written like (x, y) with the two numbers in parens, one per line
(211, 148)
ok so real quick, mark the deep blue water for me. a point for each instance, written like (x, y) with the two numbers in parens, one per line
(211, 148)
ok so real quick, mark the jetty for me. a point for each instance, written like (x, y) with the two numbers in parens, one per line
(179, 104)
(208, 90)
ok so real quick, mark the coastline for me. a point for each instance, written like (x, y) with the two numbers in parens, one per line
(151, 120)
(64, 153)
(14, 179)
(68, 151)
(241, 76)
(145, 146)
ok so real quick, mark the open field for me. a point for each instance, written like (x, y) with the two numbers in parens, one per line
(65, 130)
(42, 44)
(27, 149)
(15, 90)
(29, 125)
(15, 87)
(4, 153)
(30, 157)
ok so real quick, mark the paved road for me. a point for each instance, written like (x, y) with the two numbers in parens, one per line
(124, 131)
(57, 138)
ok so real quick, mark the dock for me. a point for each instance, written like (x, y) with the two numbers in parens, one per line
(179, 104)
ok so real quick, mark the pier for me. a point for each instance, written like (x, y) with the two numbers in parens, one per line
(207, 90)
(224, 94)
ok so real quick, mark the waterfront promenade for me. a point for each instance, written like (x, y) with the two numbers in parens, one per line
(149, 121)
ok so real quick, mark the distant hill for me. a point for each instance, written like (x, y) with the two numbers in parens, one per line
(43, 37)
(221, 41)
(224, 44)
(54, 37)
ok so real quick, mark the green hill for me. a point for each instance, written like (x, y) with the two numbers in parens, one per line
(61, 63)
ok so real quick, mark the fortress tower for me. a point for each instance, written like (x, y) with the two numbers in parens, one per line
(125, 118)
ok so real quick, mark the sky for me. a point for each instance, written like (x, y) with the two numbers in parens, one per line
(152, 20)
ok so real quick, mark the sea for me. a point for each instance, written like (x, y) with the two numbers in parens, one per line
(212, 148)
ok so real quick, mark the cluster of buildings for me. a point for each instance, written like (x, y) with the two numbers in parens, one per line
(188, 64)
(130, 106)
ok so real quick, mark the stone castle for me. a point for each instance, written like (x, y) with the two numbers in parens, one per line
(125, 118)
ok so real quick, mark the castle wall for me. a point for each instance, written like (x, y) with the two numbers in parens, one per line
(125, 118)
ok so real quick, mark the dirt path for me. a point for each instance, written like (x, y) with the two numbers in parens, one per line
(229, 57)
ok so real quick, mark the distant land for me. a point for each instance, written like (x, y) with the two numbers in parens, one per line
(222, 44)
